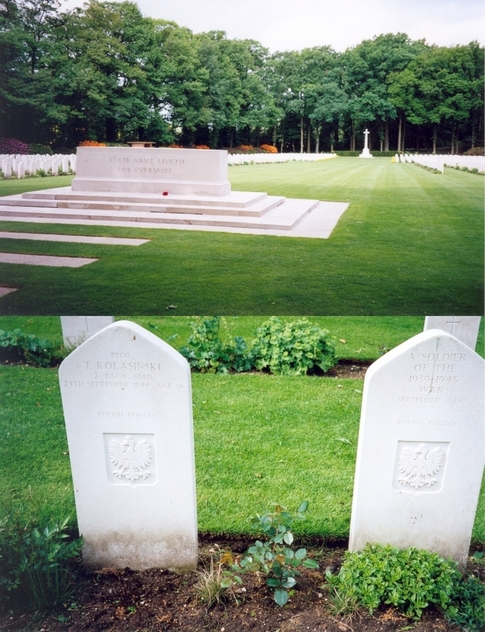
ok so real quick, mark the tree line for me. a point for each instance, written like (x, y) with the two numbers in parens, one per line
(105, 72)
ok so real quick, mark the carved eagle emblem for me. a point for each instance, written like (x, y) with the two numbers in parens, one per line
(131, 458)
(418, 465)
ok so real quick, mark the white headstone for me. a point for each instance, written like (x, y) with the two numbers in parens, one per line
(465, 328)
(77, 329)
(127, 404)
(421, 451)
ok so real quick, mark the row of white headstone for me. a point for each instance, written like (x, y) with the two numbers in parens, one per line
(241, 159)
(126, 397)
(22, 165)
(439, 162)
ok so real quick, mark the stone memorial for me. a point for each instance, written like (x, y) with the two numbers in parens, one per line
(465, 328)
(152, 170)
(127, 404)
(365, 152)
(77, 329)
(421, 451)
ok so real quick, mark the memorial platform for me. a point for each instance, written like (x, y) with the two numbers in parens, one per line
(167, 188)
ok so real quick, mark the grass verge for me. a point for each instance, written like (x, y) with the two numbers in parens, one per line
(411, 242)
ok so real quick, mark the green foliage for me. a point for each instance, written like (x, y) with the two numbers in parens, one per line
(208, 353)
(295, 348)
(37, 564)
(410, 580)
(217, 583)
(19, 347)
(274, 556)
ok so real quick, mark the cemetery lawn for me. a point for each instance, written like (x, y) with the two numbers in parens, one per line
(259, 439)
(411, 242)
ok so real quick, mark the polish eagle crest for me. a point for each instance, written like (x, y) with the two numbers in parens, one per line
(418, 465)
(131, 458)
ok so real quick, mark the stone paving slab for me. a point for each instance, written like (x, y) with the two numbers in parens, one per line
(80, 239)
(7, 290)
(45, 260)
(319, 223)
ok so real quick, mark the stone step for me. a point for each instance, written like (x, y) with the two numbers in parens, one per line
(285, 216)
(235, 199)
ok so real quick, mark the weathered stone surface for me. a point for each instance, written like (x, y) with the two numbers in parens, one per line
(421, 450)
(127, 403)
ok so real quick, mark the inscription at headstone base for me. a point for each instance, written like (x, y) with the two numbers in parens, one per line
(421, 451)
(127, 404)
(465, 328)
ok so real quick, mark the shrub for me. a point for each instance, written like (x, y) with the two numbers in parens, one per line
(245, 147)
(274, 556)
(91, 143)
(475, 151)
(13, 146)
(271, 149)
(208, 353)
(19, 347)
(37, 148)
(296, 348)
(202, 147)
(37, 569)
(410, 580)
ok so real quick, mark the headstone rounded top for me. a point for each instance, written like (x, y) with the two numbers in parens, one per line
(128, 332)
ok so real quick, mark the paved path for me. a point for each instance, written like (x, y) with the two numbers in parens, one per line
(80, 239)
(45, 260)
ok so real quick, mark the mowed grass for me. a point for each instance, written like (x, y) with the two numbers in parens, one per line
(411, 242)
(259, 439)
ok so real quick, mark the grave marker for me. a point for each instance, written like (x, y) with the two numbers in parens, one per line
(127, 404)
(465, 328)
(421, 449)
(77, 329)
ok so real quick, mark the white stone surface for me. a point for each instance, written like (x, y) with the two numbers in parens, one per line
(421, 451)
(465, 328)
(365, 152)
(77, 329)
(151, 170)
(127, 404)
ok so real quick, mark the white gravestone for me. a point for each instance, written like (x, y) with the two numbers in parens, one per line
(465, 328)
(421, 449)
(77, 329)
(152, 170)
(127, 404)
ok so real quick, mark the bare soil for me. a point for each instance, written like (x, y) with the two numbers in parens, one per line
(157, 600)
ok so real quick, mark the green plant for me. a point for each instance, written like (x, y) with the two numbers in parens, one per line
(37, 570)
(218, 582)
(295, 348)
(208, 353)
(28, 348)
(410, 580)
(273, 556)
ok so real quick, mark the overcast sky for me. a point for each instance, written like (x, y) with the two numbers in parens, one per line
(295, 24)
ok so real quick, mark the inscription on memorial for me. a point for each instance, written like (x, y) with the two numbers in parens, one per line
(124, 372)
(420, 466)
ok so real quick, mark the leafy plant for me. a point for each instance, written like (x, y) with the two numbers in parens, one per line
(274, 556)
(208, 353)
(28, 348)
(36, 570)
(218, 582)
(295, 348)
(410, 580)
